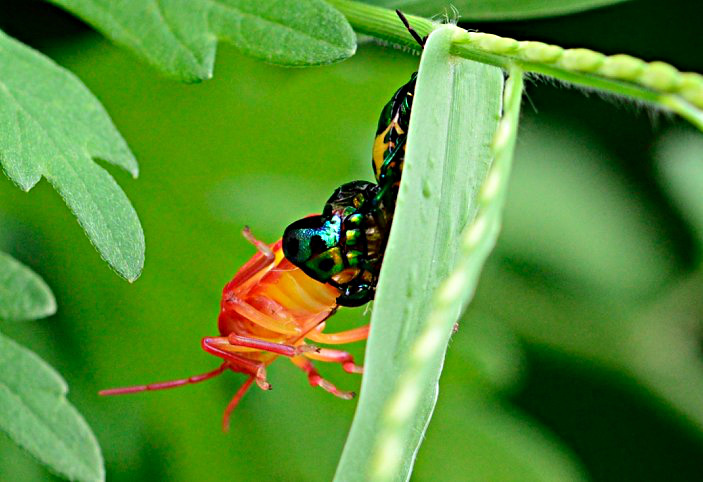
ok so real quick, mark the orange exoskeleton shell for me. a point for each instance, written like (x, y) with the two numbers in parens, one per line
(268, 310)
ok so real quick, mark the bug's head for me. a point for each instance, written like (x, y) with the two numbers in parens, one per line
(313, 245)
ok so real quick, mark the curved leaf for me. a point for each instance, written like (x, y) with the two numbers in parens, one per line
(52, 126)
(455, 113)
(35, 413)
(23, 294)
(179, 37)
(495, 9)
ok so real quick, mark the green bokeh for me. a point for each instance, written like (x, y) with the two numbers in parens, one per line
(541, 373)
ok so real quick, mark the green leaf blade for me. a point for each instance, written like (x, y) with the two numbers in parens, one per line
(35, 413)
(496, 9)
(179, 37)
(455, 113)
(23, 294)
(43, 134)
(290, 33)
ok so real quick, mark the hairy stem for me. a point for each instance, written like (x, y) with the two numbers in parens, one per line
(656, 83)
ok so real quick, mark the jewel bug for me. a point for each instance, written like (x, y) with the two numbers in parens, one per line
(344, 245)
(269, 309)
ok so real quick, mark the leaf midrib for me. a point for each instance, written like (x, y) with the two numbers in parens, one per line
(213, 4)
(67, 162)
(40, 421)
(274, 22)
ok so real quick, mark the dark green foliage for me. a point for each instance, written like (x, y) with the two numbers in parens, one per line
(180, 37)
(581, 353)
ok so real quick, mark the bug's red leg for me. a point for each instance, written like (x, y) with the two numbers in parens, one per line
(247, 311)
(336, 356)
(165, 385)
(279, 348)
(260, 261)
(260, 245)
(216, 345)
(339, 338)
(235, 401)
(317, 381)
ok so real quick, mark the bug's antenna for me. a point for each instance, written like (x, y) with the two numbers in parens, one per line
(412, 31)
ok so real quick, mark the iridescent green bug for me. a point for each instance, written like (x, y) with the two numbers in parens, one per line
(392, 133)
(344, 245)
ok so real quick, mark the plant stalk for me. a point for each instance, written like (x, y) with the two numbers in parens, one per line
(656, 83)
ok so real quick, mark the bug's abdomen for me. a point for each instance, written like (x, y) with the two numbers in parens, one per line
(389, 146)
(275, 302)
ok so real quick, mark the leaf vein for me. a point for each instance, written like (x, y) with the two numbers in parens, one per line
(59, 153)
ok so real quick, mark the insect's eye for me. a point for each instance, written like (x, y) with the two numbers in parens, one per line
(297, 237)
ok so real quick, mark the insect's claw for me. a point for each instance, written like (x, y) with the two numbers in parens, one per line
(263, 384)
(300, 349)
(260, 379)
(263, 248)
(350, 367)
(329, 387)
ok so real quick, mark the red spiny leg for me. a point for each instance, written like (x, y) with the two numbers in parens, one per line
(260, 245)
(337, 356)
(244, 309)
(234, 402)
(340, 338)
(216, 345)
(260, 261)
(165, 385)
(278, 348)
(317, 381)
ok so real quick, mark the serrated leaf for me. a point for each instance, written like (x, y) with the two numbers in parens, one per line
(23, 294)
(52, 126)
(180, 37)
(494, 9)
(455, 113)
(35, 413)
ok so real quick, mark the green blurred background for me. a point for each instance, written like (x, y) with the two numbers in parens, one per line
(581, 356)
